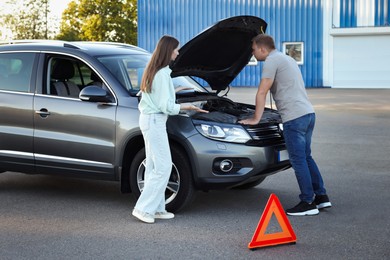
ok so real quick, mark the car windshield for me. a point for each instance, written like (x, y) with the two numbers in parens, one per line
(128, 70)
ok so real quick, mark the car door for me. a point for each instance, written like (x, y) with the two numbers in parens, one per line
(72, 136)
(16, 117)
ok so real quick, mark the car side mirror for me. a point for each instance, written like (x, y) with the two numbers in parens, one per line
(95, 94)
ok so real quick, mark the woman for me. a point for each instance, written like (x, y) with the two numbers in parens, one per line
(157, 103)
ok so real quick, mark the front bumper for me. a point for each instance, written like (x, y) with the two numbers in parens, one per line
(248, 162)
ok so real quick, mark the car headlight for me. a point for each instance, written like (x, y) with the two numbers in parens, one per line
(222, 132)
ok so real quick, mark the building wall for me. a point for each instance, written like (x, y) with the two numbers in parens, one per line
(345, 41)
(356, 40)
(357, 13)
(288, 21)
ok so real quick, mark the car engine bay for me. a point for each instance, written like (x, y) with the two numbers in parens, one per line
(224, 110)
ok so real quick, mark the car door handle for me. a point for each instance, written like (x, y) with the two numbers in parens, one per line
(43, 112)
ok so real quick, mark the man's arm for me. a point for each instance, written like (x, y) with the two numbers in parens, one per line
(264, 87)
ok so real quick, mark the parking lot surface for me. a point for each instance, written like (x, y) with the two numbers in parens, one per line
(45, 217)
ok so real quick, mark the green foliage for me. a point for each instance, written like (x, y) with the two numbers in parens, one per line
(100, 20)
(28, 19)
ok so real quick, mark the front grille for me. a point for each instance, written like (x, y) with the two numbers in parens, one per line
(263, 135)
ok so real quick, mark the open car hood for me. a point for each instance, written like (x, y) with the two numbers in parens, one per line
(220, 52)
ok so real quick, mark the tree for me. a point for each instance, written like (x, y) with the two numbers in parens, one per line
(100, 20)
(27, 19)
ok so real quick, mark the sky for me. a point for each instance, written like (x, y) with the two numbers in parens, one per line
(58, 6)
(56, 9)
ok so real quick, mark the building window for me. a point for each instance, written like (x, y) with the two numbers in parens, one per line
(294, 50)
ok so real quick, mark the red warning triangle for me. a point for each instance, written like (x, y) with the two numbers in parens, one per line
(286, 236)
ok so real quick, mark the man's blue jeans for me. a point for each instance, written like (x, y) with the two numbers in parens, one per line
(297, 134)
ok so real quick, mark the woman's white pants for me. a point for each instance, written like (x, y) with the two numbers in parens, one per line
(158, 163)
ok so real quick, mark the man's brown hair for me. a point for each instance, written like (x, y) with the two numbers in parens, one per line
(264, 40)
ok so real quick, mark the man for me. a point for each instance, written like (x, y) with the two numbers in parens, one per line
(282, 76)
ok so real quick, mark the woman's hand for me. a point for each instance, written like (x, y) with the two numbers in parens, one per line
(189, 106)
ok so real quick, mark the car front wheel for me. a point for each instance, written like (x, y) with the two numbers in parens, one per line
(180, 189)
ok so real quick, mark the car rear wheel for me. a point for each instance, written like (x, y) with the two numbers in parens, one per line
(180, 190)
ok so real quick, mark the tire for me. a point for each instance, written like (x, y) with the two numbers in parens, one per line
(250, 184)
(180, 190)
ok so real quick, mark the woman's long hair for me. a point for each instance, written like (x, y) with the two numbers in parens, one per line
(161, 58)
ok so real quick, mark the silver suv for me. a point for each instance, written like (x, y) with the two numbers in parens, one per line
(70, 108)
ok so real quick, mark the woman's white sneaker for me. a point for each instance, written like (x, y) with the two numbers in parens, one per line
(164, 215)
(143, 216)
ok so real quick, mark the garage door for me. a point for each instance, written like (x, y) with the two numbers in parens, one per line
(361, 61)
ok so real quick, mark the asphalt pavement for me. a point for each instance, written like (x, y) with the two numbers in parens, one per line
(45, 217)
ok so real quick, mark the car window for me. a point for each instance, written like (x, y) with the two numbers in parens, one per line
(127, 69)
(68, 76)
(15, 71)
(187, 82)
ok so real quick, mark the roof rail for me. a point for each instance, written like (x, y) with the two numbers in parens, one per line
(65, 43)
(116, 43)
(28, 41)
(119, 44)
(71, 44)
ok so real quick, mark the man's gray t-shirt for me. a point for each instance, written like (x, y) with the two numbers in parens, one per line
(288, 88)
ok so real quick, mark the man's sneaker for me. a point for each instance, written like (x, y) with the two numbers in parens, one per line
(164, 215)
(303, 209)
(143, 216)
(322, 201)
